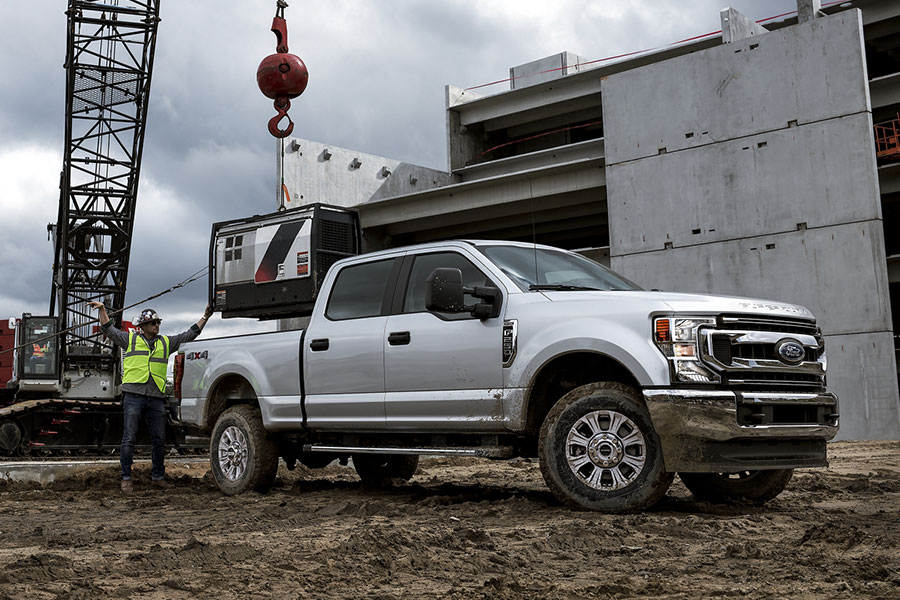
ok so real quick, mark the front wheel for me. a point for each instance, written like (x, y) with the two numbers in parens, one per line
(380, 469)
(755, 487)
(240, 454)
(598, 450)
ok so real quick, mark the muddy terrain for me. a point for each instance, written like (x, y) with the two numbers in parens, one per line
(460, 529)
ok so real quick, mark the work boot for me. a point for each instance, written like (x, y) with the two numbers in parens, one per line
(161, 484)
(127, 487)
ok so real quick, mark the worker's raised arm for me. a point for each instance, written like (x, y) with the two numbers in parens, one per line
(101, 312)
(206, 315)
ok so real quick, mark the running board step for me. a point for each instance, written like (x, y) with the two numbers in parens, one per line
(480, 452)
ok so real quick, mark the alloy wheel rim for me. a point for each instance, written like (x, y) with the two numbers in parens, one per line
(233, 453)
(606, 450)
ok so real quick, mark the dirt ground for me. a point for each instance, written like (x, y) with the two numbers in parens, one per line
(462, 528)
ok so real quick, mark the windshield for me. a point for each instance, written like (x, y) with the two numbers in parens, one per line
(543, 269)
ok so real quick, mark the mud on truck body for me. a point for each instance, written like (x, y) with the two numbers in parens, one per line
(503, 349)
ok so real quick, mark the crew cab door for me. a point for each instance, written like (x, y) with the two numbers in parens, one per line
(442, 371)
(343, 366)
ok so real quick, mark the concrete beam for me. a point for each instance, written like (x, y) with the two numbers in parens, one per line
(736, 26)
(533, 97)
(542, 117)
(876, 11)
(893, 264)
(552, 232)
(519, 218)
(885, 90)
(590, 149)
(889, 178)
(563, 178)
(501, 212)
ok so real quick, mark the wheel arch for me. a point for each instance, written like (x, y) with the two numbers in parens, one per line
(229, 390)
(565, 372)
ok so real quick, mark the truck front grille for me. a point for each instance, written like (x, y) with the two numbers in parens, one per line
(744, 351)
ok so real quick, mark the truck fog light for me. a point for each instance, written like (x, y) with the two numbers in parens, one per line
(692, 371)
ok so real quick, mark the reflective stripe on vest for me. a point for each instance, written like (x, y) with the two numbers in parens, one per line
(140, 363)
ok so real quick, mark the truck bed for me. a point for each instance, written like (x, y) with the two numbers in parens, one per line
(270, 361)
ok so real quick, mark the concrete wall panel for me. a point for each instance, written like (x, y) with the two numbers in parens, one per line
(316, 172)
(770, 182)
(839, 273)
(544, 69)
(862, 372)
(805, 73)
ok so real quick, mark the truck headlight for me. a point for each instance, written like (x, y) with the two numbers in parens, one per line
(677, 339)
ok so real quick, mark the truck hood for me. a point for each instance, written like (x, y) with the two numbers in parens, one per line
(687, 303)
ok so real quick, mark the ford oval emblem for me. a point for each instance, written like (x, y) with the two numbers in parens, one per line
(790, 352)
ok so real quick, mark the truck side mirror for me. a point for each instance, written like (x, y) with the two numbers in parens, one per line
(444, 291)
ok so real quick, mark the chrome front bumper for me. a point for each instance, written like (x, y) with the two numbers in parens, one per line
(719, 431)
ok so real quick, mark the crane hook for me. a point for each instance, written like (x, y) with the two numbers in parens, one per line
(281, 76)
(282, 105)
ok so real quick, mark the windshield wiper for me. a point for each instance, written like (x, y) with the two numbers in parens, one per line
(560, 287)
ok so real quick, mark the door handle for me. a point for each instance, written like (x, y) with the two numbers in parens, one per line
(319, 345)
(398, 338)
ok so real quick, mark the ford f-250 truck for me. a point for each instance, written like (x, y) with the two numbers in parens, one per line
(503, 349)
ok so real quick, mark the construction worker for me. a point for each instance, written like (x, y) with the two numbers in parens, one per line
(144, 384)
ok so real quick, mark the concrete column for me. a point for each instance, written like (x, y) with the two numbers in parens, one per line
(807, 10)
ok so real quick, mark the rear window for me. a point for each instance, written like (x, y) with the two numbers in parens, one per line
(358, 291)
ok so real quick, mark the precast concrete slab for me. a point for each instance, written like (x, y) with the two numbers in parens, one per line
(838, 272)
(807, 176)
(317, 172)
(862, 372)
(729, 91)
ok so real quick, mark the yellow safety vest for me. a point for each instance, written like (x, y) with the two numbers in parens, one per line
(140, 363)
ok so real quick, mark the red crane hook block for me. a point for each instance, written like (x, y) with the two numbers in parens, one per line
(281, 76)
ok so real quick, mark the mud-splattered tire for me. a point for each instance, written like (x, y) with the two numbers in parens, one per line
(241, 456)
(380, 469)
(754, 487)
(598, 450)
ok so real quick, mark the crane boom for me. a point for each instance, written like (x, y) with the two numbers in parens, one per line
(109, 62)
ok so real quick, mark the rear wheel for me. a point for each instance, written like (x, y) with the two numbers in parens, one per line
(598, 450)
(755, 487)
(240, 454)
(380, 469)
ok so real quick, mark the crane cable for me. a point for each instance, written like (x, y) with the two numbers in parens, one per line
(190, 279)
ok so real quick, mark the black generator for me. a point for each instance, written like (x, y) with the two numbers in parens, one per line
(272, 266)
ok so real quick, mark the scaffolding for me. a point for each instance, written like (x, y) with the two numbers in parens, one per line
(887, 139)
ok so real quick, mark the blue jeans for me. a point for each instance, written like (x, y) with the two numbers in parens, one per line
(154, 411)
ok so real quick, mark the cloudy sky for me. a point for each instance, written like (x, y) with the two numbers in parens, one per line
(377, 75)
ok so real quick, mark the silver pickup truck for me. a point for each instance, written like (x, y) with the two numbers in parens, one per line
(503, 349)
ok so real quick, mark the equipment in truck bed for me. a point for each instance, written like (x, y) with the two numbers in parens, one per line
(272, 266)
